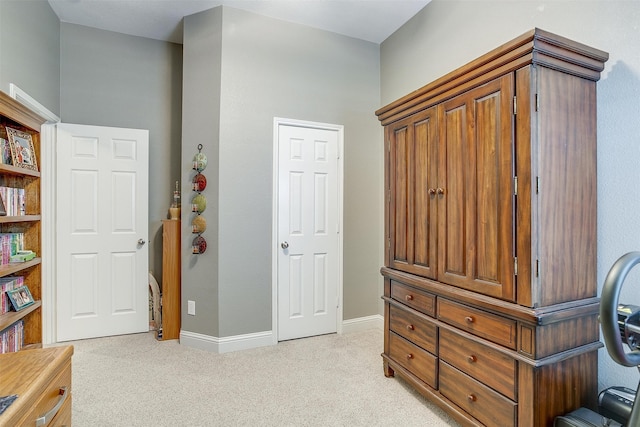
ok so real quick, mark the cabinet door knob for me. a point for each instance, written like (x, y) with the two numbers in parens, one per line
(472, 398)
(410, 327)
(440, 191)
(468, 319)
(408, 297)
(432, 191)
(409, 356)
(472, 358)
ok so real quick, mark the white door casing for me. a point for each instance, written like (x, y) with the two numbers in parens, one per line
(307, 238)
(102, 231)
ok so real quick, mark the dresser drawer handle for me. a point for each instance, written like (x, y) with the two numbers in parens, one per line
(472, 398)
(411, 327)
(409, 356)
(469, 319)
(46, 418)
(472, 358)
(408, 297)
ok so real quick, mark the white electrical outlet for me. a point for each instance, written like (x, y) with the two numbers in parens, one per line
(191, 308)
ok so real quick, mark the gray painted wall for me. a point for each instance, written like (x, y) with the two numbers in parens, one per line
(272, 68)
(30, 50)
(428, 43)
(112, 79)
(202, 59)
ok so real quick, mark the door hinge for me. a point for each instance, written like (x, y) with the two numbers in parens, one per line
(515, 266)
(537, 102)
(537, 268)
(515, 185)
(389, 242)
(515, 106)
(537, 184)
(388, 145)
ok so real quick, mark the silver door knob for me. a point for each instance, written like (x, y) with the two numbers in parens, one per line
(141, 242)
(284, 245)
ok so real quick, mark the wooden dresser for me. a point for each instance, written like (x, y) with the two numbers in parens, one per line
(42, 380)
(490, 266)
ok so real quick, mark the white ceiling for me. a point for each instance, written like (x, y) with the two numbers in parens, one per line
(371, 20)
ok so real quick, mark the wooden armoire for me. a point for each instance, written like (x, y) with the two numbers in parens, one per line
(491, 307)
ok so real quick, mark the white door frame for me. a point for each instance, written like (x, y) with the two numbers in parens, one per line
(47, 162)
(277, 121)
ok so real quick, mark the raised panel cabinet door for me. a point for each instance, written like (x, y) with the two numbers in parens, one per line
(567, 198)
(412, 176)
(476, 194)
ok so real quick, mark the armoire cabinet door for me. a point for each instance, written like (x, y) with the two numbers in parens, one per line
(476, 211)
(411, 185)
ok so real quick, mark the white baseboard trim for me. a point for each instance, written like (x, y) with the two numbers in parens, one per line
(363, 324)
(226, 344)
(263, 339)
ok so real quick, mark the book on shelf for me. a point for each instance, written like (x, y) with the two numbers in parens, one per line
(13, 200)
(8, 284)
(5, 152)
(10, 245)
(12, 338)
(22, 256)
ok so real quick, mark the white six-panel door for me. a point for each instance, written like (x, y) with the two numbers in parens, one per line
(102, 231)
(308, 231)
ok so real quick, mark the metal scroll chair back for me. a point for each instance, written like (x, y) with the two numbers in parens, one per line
(616, 331)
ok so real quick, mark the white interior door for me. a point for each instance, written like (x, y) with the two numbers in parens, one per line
(102, 216)
(308, 262)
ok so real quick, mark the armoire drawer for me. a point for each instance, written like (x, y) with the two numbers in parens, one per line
(421, 301)
(486, 325)
(483, 363)
(486, 405)
(419, 362)
(412, 327)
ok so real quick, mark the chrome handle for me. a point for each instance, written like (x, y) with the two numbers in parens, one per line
(141, 242)
(284, 245)
(46, 418)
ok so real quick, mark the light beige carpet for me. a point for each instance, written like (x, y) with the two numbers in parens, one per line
(329, 380)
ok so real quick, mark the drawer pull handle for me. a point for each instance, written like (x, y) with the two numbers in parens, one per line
(411, 327)
(409, 356)
(469, 319)
(472, 358)
(46, 418)
(472, 398)
(408, 297)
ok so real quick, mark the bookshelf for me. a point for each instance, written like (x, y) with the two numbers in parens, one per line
(17, 116)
